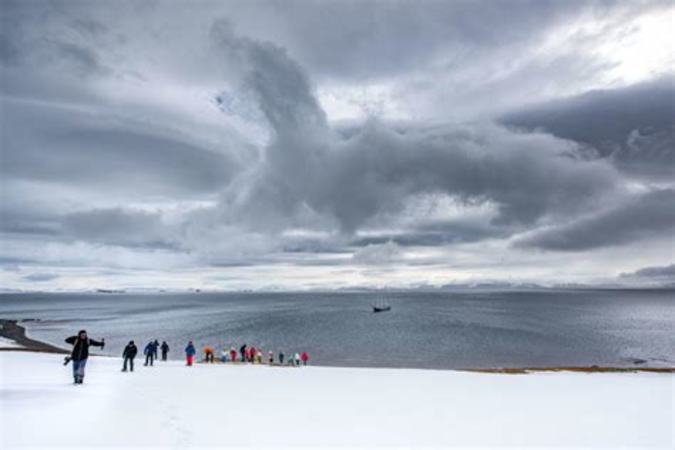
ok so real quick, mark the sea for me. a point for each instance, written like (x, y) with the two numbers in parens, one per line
(424, 329)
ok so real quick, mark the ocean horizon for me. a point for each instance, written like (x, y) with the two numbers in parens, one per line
(424, 329)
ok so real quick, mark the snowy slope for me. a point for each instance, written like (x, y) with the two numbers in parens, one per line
(8, 343)
(174, 406)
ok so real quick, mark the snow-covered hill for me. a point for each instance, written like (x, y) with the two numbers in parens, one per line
(174, 406)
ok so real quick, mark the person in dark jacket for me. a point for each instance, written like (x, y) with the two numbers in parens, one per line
(165, 350)
(190, 353)
(149, 353)
(80, 353)
(129, 354)
(242, 350)
(155, 349)
(281, 358)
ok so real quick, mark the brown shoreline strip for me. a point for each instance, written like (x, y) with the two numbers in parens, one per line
(10, 329)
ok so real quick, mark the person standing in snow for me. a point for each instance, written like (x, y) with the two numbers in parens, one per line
(251, 354)
(296, 359)
(270, 357)
(242, 350)
(149, 353)
(281, 358)
(208, 354)
(155, 348)
(80, 353)
(233, 354)
(190, 353)
(129, 354)
(304, 357)
(165, 350)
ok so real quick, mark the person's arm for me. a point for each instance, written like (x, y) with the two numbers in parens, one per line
(100, 343)
(71, 340)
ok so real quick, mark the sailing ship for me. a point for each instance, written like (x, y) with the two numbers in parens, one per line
(380, 305)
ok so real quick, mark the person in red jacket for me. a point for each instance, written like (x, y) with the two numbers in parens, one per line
(304, 357)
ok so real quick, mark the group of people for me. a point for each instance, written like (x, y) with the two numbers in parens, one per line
(246, 354)
(254, 355)
(151, 353)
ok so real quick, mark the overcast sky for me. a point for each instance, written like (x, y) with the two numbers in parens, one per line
(331, 144)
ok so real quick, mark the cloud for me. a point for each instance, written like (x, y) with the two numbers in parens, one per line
(630, 126)
(657, 272)
(120, 227)
(378, 254)
(377, 168)
(140, 135)
(640, 217)
(68, 145)
(40, 277)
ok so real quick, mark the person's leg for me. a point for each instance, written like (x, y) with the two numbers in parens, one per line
(80, 370)
(76, 368)
(124, 367)
(131, 364)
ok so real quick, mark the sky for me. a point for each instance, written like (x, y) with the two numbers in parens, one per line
(234, 145)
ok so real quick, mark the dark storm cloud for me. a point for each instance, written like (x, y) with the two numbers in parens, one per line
(633, 126)
(70, 146)
(657, 272)
(120, 227)
(126, 228)
(374, 171)
(155, 134)
(644, 216)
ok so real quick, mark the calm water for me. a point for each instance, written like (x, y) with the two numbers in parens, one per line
(424, 329)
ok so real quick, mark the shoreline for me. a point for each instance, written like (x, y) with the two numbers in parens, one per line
(10, 329)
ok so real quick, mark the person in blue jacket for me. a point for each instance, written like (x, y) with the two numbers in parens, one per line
(149, 353)
(190, 353)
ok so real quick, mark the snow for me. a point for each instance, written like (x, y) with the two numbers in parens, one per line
(173, 406)
(8, 343)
